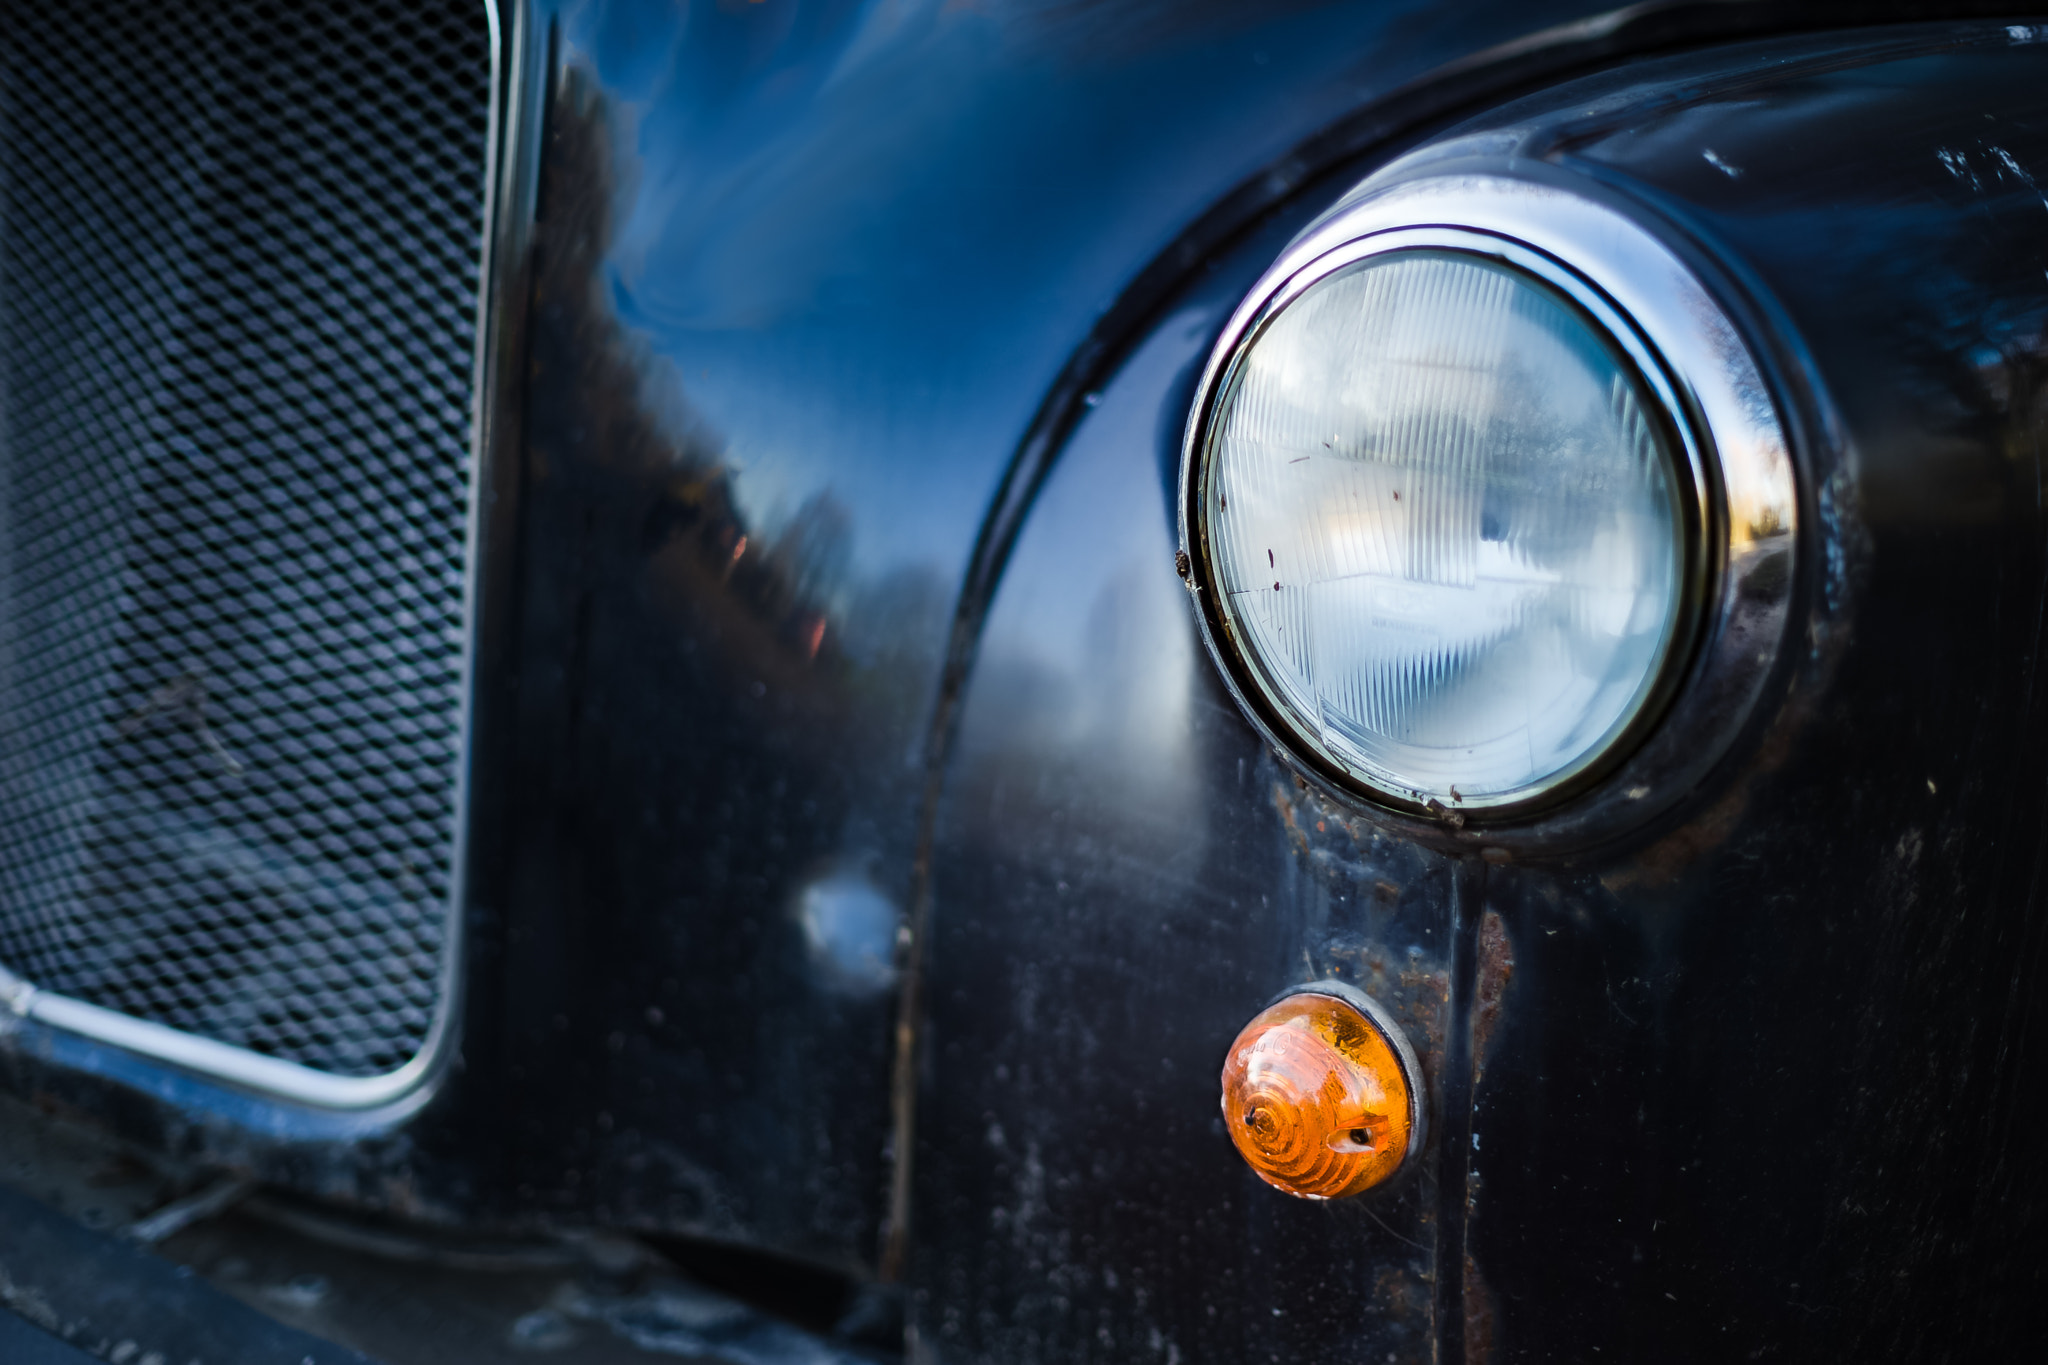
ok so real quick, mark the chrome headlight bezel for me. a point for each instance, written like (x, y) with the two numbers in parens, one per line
(1722, 426)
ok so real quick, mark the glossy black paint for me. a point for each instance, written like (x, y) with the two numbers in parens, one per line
(1760, 1082)
(802, 280)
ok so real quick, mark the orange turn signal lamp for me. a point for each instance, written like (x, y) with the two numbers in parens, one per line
(1321, 1093)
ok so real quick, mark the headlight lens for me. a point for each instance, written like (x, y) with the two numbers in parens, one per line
(1445, 520)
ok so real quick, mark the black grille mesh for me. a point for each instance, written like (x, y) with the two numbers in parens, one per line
(240, 251)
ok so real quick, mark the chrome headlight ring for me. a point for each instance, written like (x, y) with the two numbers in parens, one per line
(1739, 505)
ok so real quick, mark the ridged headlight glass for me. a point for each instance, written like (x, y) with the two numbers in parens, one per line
(1444, 515)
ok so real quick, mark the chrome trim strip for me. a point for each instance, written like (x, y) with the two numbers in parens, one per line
(273, 1076)
(1720, 400)
(222, 1061)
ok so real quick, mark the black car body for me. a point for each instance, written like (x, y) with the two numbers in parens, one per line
(853, 855)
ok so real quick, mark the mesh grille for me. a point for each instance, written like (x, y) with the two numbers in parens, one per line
(240, 250)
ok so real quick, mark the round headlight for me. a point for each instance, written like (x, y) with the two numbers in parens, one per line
(1450, 517)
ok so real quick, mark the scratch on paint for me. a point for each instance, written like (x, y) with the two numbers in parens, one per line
(1958, 166)
(1713, 159)
(2016, 169)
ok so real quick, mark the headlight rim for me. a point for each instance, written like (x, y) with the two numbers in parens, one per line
(1708, 381)
(1692, 494)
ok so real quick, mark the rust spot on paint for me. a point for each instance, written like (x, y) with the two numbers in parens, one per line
(1496, 969)
(1479, 1315)
(1397, 1293)
(1664, 860)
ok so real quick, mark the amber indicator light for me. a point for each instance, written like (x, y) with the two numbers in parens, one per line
(1317, 1099)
